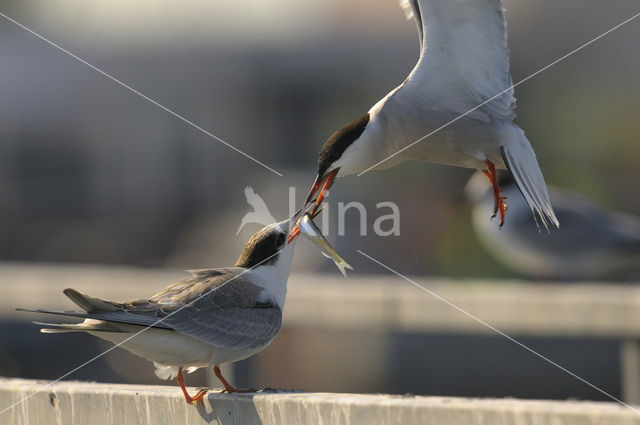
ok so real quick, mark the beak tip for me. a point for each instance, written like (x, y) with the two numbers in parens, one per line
(292, 235)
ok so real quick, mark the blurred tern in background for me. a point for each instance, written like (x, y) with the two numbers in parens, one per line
(218, 315)
(592, 242)
(458, 98)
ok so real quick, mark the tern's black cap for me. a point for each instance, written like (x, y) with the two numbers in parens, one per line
(339, 142)
(262, 247)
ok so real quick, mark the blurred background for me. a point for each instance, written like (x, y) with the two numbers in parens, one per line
(92, 173)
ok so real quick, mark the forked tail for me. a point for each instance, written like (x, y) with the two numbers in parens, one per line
(522, 164)
(102, 315)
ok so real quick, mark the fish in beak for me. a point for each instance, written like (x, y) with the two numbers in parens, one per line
(320, 187)
(309, 230)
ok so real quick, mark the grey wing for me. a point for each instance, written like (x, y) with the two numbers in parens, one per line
(464, 58)
(109, 311)
(587, 226)
(221, 307)
(235, 329)
(590, 225)
(114, 317)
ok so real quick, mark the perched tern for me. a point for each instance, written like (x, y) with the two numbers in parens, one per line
(216, 316)
(455, 108)
(592, 242)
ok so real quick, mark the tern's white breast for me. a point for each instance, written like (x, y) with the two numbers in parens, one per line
(163, 346)
(173, 348)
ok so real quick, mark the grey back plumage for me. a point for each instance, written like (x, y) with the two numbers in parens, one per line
(222, 308)
(219, 307)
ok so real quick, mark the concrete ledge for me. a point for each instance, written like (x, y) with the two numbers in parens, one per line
(101, 404)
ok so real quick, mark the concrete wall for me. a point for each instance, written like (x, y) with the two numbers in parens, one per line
(104, 404)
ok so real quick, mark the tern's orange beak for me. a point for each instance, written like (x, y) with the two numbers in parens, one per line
(294, 232)
(324, 183)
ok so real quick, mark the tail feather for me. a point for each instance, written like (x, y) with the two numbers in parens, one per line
(112, 316)
(58, 312)
(522, 164)
(90, 304)
(57, 328)
(88, 324)
(115, 319)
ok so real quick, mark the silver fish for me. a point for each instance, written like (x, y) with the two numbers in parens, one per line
(309, 229)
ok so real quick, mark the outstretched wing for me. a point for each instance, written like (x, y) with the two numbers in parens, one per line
(464, 57)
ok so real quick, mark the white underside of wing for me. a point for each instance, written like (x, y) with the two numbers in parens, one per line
(464, 61)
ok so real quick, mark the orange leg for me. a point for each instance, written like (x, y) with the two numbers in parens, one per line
(187, 397)
(500, 205)
(228, 388)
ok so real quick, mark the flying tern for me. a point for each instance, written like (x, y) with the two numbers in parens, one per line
(455, 108)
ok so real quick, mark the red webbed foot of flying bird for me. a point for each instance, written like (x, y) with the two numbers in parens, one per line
(190, 400)
(500, 204)
(228, 388)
